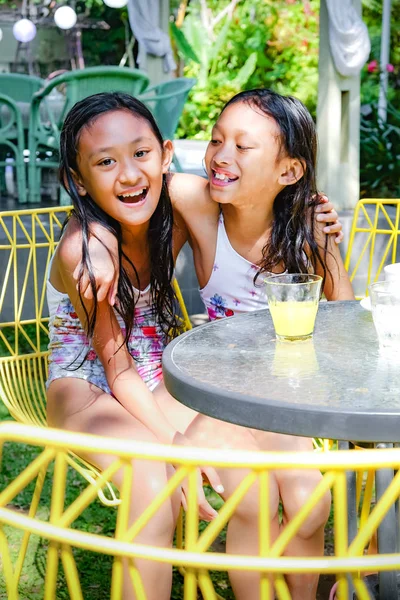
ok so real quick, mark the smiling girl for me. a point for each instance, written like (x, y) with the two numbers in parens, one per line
(105, 363)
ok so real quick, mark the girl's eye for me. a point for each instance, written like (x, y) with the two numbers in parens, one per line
(141, 153)
(106, 162)
(214, 142)
(243, 147)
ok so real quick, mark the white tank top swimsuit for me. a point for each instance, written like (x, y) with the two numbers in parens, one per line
(71, 355)
(231, 289)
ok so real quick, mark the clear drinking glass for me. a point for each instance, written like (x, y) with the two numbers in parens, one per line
(385, 301)
(293, 301)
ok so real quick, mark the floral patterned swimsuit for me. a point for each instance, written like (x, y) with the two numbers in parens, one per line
(71, 355)
(231, 289)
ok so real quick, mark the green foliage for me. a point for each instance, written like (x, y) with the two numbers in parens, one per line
(380, 154)
(265, 44)
(183, 46)
(103, 47)
(372, 15)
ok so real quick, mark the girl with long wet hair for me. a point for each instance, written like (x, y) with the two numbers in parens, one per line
(105, 362)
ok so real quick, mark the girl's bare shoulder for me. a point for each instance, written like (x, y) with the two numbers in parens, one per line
(191, 192)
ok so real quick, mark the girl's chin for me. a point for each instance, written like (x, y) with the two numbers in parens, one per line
(220, 196)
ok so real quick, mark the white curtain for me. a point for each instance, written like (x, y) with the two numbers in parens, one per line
(348, 37)
(144, 19)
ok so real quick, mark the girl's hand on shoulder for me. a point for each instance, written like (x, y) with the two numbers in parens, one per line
(207, 474)
(103, 253)
(325, 213)
(337, 284)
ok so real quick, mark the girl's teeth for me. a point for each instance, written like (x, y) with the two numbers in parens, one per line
(133, 195)
(221, 176)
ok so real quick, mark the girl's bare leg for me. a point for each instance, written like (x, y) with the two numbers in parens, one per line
(243, 528)
(295, 488)
(76, 405)
(179, 415)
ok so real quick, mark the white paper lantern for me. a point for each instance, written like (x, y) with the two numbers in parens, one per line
(24, 30)
(115, 3)
(65, 17)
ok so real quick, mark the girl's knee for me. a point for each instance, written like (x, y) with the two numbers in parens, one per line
(248, 510)
(149, 481)
(318, 516)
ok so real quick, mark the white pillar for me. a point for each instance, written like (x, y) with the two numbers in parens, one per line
(338, 125)
(385, 53)
(155, 69)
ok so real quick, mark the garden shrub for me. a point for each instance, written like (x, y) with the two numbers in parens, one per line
(265, 44)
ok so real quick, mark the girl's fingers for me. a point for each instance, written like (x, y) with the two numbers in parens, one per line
(206, 511)
(334, 227)
(213, 479)
(328, 217)
(75, 274)
(113, 291)
(339, 237)
(324, 207)
(102, 292)
(83, 282)
(322, 199)
(88, 294)
(183, 500)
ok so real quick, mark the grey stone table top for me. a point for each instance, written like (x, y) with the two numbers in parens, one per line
(338, 385)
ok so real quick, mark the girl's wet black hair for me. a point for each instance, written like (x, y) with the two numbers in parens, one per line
(293, 227)
(86, 211)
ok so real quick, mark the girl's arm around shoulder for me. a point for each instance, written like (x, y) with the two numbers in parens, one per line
(190, 196)
(108, 343)
(337, 282)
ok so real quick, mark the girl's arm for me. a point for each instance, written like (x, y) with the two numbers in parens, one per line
(125, 382)
(191, 204)
(108, 343)
(337, 282)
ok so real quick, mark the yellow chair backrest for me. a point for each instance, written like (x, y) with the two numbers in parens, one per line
(28, 239)
(65, 532)
(27, 243)
(373, 242)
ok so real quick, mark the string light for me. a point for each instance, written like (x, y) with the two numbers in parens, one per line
(24, 30)
(115, 3)
(65, 17)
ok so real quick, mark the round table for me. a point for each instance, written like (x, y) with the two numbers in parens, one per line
(338, 385)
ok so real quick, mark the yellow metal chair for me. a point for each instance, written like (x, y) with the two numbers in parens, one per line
(28, 239)
(375, 230)
(63, 534)
(373, 244)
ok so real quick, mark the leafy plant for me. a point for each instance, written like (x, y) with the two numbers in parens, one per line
(263, 43)
(380, 154)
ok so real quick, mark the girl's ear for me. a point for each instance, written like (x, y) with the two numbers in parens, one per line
(292, 170)
(78, 183)
(168, 153)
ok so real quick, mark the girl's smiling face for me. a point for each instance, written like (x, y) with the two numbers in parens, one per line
(243, 159)
(121, 164)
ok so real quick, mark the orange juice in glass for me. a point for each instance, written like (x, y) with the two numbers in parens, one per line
(293, 301)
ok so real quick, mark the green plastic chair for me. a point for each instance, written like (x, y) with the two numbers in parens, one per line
(48, 111)
(12, 144)
(166, 101)
(20, 87)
